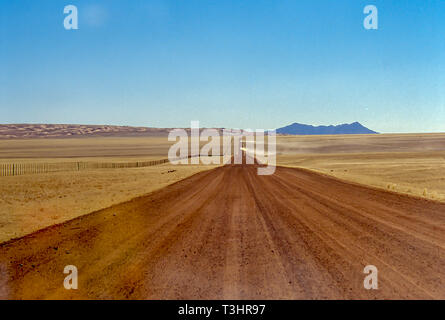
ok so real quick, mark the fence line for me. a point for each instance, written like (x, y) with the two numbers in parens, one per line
(15, 169)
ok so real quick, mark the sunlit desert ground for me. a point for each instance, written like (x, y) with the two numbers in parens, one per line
(33, 201)
(85, 148)
(410, 163)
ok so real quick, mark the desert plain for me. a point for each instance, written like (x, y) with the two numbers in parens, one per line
(334, 205)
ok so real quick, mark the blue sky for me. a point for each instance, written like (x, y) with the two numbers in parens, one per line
(246, 64)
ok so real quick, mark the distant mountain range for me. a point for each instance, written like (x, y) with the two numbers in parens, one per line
(305, 129)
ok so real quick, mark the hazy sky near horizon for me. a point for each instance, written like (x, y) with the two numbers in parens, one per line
(240, 64)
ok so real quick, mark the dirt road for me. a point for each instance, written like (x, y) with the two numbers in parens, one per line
(229, 233)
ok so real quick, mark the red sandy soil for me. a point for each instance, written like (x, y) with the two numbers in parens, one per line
(228, 233)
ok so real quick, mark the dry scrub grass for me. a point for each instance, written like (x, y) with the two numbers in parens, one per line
(361, 143)
(407, 163)
(31, 202)
(82, 149)
(420, 173)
